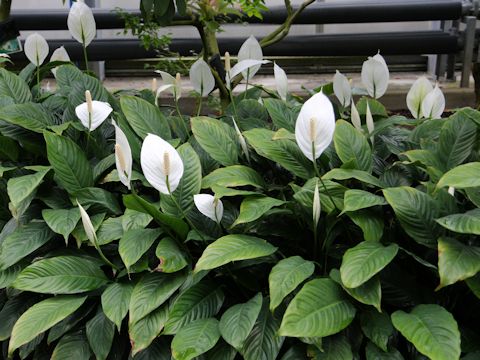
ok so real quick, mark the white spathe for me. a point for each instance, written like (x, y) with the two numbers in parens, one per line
(202, 78)
(87, 225)
(250, 50)
(81, 23)
(342, 89)
(60, 54)
(241, 66)
(355, 117)
(315, 126)
(241, 139)
(123, 156)
(170, 82)
(375, 76)
(316, 206)
(209, 206)
(420, 88)
(369, 120)
(36, 49)
(92, 113)
(433, 104)
(281, 81)
(161, 164)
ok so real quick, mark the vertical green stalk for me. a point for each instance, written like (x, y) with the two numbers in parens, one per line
(317, 173)
(85, 56)
(5, 9)
(38, 79)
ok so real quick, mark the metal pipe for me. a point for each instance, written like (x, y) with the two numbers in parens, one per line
(469, 43)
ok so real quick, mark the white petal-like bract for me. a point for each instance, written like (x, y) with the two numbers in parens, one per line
(241, 140)
(209, 206)
(60, 54)
(355, 117)
(161, 164)
(316, 206)
(315, 126)
(433, 104)
(100, 112)
(250, 50)
(420, 88)
(36, 49)
(202, 78)
(375, 76)
(87, 225)
(281, 81)
(342, 89)
(174, 83)
(81, 23)
(241, 66)
(369, 121)
(123, 156)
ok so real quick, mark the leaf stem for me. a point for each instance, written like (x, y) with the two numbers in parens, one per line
(85, 57)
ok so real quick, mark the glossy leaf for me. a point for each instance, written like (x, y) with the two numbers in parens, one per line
(467, 223)
(195, 339)
(145, 330)
(360, 199)
(116, 301)
(377, 327)
(14, 87)
(72, 345)
(100, 331)
(61, 221)
(352, 146)
(233, 176)
(134, 243)
(172, 259)
(254, 207)
(462, 177)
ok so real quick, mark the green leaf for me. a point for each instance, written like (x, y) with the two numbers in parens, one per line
(100, 333)
(74, 346)
(22, 242)
(462, 177)
(358, 199)
(374, 353)
(334, 191)
(319, 309)
(363, 261)
(345, 174)
(29, 116)
(22, 189)
(111, 229)
(200, 301)
(251, 114)
(144, 118)
(285, 276)
(9, 150)
(98, 199)
(431, 329)
(8, 275)
(150, 292)
(456, 261)
(285, 152)
(13, 86)
(159, 349)
(417, 212)
(369, 293)
(41, 317)
(254, 207)
(233, 247)
(232, 176)
(67, 324)
(116, 301)
(11, 311)
(61, 275)
(195, 339)
(370, 223)
(376, 107)
(238, 321)
(281, 115)
(135, 243)
(147, 329)
(352, 146)
(377, 327)
(263, 342)
(172, 259)
(189, 185)
(334, 348)
(71, 166)
(137, 203)
(133, 220)
(61, 221)
(457, 138)
(467, 223)
(217, 138)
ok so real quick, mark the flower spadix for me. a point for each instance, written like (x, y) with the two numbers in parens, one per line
(342, 89)
(36, 49)
(433, 104)
(87, 224)
(375, 76)
(209, 206)
(170, 82)
(81, 23)
(123, 156)
(417, 93)
(315, 126)
(250, 50)
(161, 164)
(281, 81)
(92, 113)
(202, 78)
(60, 54)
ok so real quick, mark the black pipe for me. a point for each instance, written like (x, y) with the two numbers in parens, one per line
(321, 13)
(398, 43)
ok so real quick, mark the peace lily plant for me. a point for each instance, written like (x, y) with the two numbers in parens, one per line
(281, 229)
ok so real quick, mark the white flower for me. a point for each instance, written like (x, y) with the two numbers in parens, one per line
(243, 65)
(375, 76)
(92, 113)
(170, 82)
(81, 23)
(315, 126)
(417, 93)
(161, 164)
(202, 78)
(227, 69)
(250, 50)
(209, 206)
(281, 81)
(36, 49)
(451, 190)
(369, 121)
(241, 139)
(342, 89)
(87, 225)
(60, 54)
(433, 104)
(123, 156)
(316, 206)
(355, 117)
